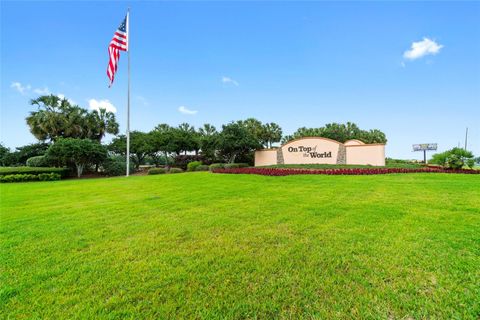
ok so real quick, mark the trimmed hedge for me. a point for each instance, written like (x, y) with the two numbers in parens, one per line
(192, 166)
(49, 176)
(183, 160)
(214, 166)
(37, 161)
(202, 167)
(175, 170)
(18, 178)
(32, 170)
(157, 171)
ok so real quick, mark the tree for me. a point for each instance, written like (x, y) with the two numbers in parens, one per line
(208, 138)
(271, 133)
(236, 141)
(4, 152)
(186, 139)
(455, 159)
(340, 133)
(57, 118)
(162, 143)
(101, 122)
(140, 146)
(79, 152)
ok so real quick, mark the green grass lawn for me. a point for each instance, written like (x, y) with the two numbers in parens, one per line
(201, 245)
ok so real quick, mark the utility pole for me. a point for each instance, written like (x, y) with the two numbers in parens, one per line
(466, 139)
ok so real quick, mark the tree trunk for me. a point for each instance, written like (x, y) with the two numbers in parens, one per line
(79, 169)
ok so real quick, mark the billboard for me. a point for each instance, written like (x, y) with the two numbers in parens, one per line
(424, 146)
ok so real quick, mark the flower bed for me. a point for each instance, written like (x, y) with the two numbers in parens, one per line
(353, 171)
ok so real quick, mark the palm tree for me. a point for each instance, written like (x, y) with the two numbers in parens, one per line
(100, 123)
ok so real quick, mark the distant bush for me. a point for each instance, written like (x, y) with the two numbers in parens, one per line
(32, 170)
(175, 170)
(182, 161)
(202, 167)
(49, 176)
(157, 171)
(116, 166)
(243, 165)
(214, 166)
(18, 177)
(454, 159)
(37, 161)
(192, 166)
(231, 166)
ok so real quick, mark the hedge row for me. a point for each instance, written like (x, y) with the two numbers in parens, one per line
(32, 170)
(355, 171)
(29, 177)
(163, 171)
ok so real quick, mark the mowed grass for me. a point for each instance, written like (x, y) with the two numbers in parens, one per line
(211, 246)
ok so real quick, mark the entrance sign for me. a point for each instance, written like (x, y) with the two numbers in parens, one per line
(317, 150)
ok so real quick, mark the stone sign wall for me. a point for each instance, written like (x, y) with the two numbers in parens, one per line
(316, 150)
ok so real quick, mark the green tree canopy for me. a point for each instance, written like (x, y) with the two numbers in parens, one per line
(236, 140)
(79, 152)
(57, 118)
(340, 133)
(140, 146)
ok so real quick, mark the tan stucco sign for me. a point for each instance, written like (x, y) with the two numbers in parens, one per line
(316, 150)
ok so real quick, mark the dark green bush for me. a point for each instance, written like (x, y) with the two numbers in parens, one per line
(216, 166)
(192, 166)
(18, 177)
(157, 171)
(32, 170)
(49, 176)
(175, 170)
(243, 165)
(37, 161)
(202, 167)
(116, 166)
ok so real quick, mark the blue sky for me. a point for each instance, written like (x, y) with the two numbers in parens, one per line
(297, 64)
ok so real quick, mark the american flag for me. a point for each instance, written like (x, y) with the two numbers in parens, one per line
(118, 43)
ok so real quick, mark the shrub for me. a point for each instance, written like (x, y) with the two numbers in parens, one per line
(49, 176)
(18, 177)
(37, 161)
(243, 165)
(454, 159)
(183, 160)
(175, 170)
(32, 170)
(214, 166)
(192, 166)
(231, 166)
(116, 166)
(202, 167)
(157, 171)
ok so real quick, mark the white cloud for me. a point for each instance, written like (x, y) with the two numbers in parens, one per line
(422, 48)
(101, 104)
(19, 87)
(228, 80)
(43, 91)
(185, 110)
(142, 100)
(62, 96)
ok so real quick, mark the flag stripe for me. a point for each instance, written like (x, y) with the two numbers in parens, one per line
(119, 43)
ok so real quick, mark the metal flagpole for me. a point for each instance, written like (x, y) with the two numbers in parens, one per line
(128, 94)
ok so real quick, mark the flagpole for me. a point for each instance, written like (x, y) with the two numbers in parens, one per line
(128, 94)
